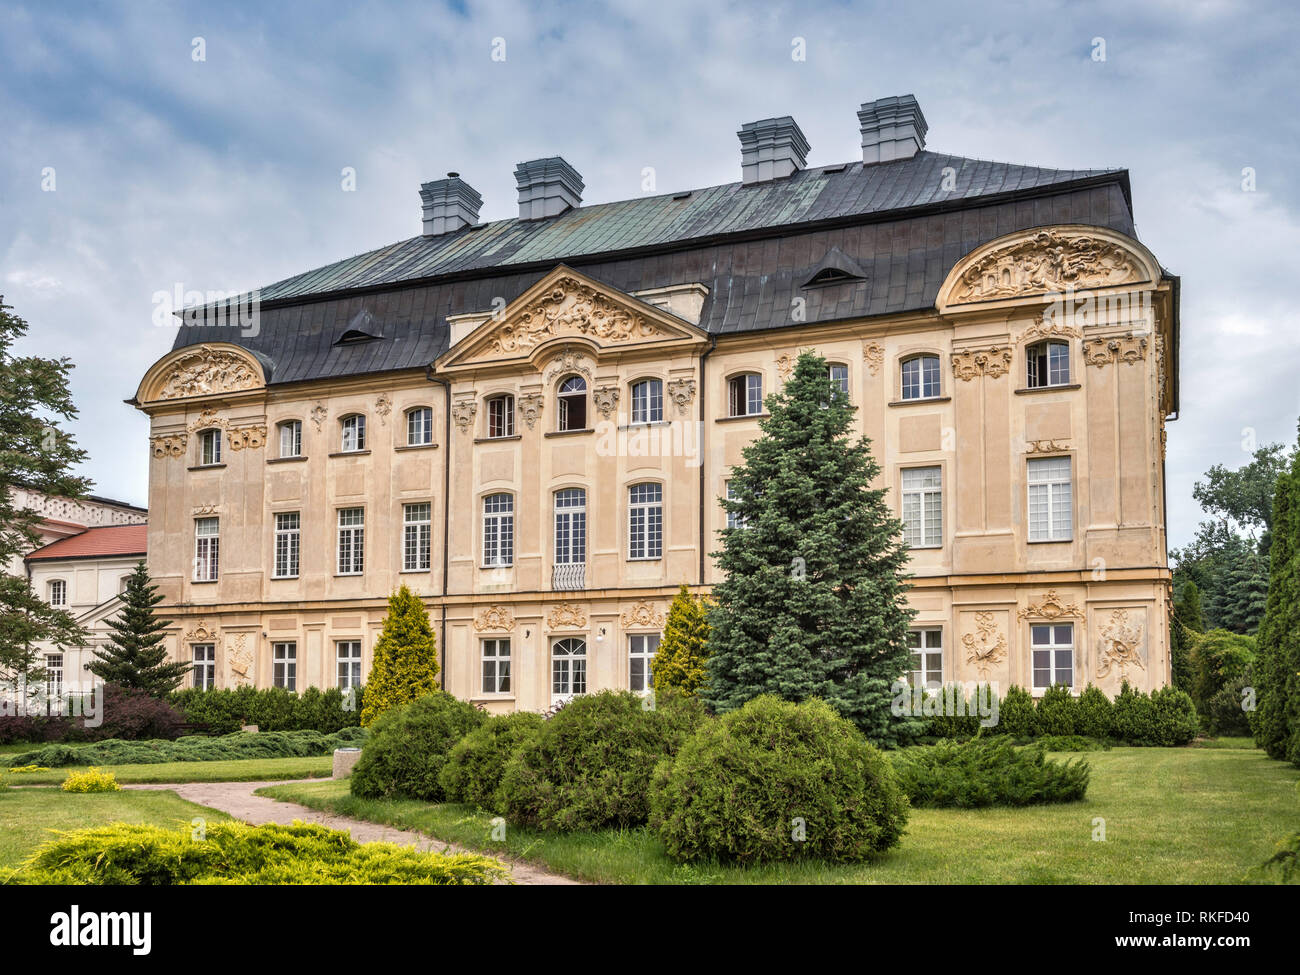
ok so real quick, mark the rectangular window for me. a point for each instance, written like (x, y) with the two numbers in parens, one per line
(348, 653)
(58, 592)
(647, 401)
(354, 433)
(745, 395)
(416, 534)
(352, 541)
(645, 521)
(1051, 512)
(923, 507)
(291, 438)
(288, 537)
(496, 666)
(207, 549)
(571, 526)
(205, 666)
(1053, 655)
(838, 373)
(926, 646)
(498, 531)
(210, 447)
(501, 416)
(419, 427)
(54, 676)
(921, 377)
(734, 518)
(284, 665)
(641, 650)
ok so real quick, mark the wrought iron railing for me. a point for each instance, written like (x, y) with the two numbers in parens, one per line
(569, 575)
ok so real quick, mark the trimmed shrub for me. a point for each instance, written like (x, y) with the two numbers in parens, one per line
(1095, 716)
(1056, 712)
(778, 781)
(476, 763)
(408, 746)
(91, 780)
(1176, 721)
(987, 772)
(590, 764)
(956, 715)
(272, 744)
(234, 853)
(1016, 713)
(405, 666)
(1219, 659)
(228, 709)
(1135, 718)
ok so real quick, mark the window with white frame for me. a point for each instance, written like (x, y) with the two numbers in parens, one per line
(496, 666)
(1048, 364)
(923, 507)
(498, 531)
(501, 416)
(734, 518)
(1053, 655)
(291, 438)
(54, 676)
(348, 655)
(207, 549)
(645, 521)
(284, 665)
(838, 374)
(1051, 504)
(745, 395)
(416, 535)
(921, 377)
(58, 589)
(573, 403)
(571, 526)
(354, 433)
(419, 427)
(352, 541)
(288, 543)
(647, 401)
(205, 665)
(568, 669)
(641, 650)
(926, 647)
(209, 447)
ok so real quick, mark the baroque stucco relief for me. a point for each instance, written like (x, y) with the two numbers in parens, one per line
(206, 371)
(1048, 261)
(571, 307)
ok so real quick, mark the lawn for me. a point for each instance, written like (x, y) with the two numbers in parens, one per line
(240, 770)
(28, 815)
(1172, 816)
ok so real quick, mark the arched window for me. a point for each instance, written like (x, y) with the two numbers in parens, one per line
(568, 669)
(501, 416)
(210, 447)
(419, 427)
(745, 394)
(573, 403)
(647, 401)
(921, 377)
(354, 433)
(291, 438)
(1048, 364)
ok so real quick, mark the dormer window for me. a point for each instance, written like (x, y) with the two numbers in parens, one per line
(419, 427)
(354, 433)
(1048, 365)
(573, 403)
(210, 447)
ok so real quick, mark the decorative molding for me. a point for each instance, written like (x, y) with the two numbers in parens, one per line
(318, 414)
(201, 633)
(606, 399)
(494, 618)
(205, 420)
(570, 307)
(682, 393)
(986, 649)
(1120, 348)
(173, 445)
(1050, 261)
(993, 362)
(530, 407)
(874, 354)
(1046, 446)
(566, 616)
(206, 371)
(463, 413)
(642, 614)
(240, 660)
(1048, 330)
(1118, 645)
(787, 361)
(383, 406)
(568, 360)
(250, 436)
(1052, 607)
(206, 509)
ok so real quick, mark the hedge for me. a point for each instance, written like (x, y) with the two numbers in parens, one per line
(987, 772)
(270, 708)
(408, 747)
(194, 748)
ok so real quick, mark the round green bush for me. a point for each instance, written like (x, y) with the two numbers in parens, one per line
(778, 781)
(407, 748)
(1176, 721)
(1056, 713)
(1095, 717)
(1016, 713)
(475, 764)
(1135, 716)
(590, 764)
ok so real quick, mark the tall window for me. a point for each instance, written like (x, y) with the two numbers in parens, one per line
(210, 447)
(352, 541)
(734, 518)
(1053, 655)
(1049, 364)
(354, 433)
(284, 665)
(205, 666)
(54, 676)
(416, 534)
(838, 373)
(58, 592)
(496, 666)
(348, 654)
(745, 395)
(501, 416)
(568, 669)
(921, 377)
(926, 646)
(498, 530)
(287, 544)
(647, 401)
(207, 549)
(1051, 514)
(641, 649)
(645, 523)
(570, 539)
(419, 426)
(573, 403)
(923, 507)
(291, 438)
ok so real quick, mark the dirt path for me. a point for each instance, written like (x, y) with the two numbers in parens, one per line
(237, 799)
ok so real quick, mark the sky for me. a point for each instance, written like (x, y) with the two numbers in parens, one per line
(149, 146)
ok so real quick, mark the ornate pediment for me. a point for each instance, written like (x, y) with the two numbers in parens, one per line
(201, 370)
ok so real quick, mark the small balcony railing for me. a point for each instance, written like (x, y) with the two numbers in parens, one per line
(569, 575)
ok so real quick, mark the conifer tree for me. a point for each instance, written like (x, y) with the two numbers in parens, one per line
(136, 656)
(680, 660)
(1188, 622)
(813, 600)
(1276, 720)
(406, 658)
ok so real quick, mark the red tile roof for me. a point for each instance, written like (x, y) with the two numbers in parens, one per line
(96, 542)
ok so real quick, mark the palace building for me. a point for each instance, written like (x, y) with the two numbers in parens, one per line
(530, 422)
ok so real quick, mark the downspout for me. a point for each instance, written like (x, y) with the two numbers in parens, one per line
(446, 510)
(713, 341)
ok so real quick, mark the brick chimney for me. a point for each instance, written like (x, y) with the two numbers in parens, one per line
(892, 128)
(448, 204)
(771, 148)
(547, 187)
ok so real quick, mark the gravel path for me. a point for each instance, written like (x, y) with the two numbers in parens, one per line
(237, 799)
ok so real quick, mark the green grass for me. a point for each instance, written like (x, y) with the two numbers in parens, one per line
(1172, 816)
(27, 816)
(240, 770)
(1246, 744)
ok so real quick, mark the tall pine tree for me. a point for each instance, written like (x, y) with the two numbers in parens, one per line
(406, 658)
(680, 660)
(135, 656)
(813, 601)
(1188, 622)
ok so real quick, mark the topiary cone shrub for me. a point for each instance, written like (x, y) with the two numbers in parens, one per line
(408, 746)
(777, 781)
(1095, 715)
(1056, 713)
(1015, 714)
(475, 764)
(1176, 720)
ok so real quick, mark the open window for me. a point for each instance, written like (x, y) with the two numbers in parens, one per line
(573, 403)
(1048, 364)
